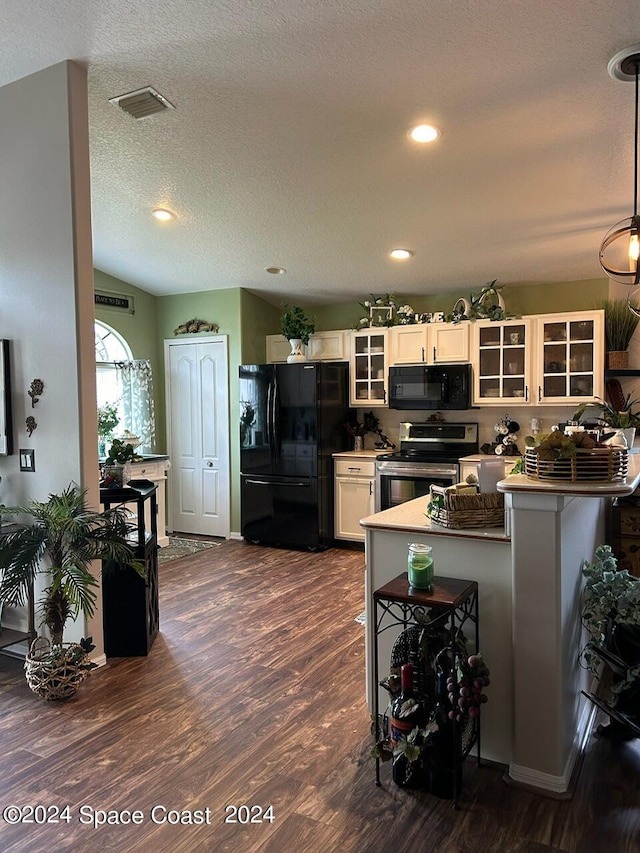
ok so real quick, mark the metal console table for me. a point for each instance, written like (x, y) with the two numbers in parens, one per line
(398, 604)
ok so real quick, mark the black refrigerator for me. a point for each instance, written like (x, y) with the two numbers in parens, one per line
(292, 419)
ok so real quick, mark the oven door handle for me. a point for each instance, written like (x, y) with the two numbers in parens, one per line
(410, 470)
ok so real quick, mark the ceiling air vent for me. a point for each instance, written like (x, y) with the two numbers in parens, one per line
(142, 103)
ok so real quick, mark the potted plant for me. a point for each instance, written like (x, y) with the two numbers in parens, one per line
(297, 327)
(115, 466)
(611, 615)
(619, 326)
(626, 418)
(61, 540)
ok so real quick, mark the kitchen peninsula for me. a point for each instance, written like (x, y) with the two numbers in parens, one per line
(530, 583)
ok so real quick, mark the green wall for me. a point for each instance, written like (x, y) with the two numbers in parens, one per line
(519, 299)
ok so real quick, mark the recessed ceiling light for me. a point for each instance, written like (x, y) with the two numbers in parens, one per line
(275, 270)
(401, 254)
(424, 133)
(163, 215)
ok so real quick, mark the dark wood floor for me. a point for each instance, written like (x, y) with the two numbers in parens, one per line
(253, 694)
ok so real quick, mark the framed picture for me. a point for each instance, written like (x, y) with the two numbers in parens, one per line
(6, 426)
(381, 315)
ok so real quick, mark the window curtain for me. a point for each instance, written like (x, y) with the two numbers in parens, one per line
(136, 382)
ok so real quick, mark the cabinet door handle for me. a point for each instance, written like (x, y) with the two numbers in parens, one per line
(423, 353)
(434, 353)
(526, 393)
(370, 487)
(353, 469)
(539, 393)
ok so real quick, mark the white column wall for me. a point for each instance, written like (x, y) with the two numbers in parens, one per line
(551, 536)
(46, 284)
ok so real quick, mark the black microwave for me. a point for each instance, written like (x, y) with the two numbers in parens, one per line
(433, 386)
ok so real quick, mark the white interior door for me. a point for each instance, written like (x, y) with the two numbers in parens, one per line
(197, 398)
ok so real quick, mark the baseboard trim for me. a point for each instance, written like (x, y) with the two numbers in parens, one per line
(557, 787)
(234, 535)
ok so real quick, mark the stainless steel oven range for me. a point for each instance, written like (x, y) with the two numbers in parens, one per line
(429, 453)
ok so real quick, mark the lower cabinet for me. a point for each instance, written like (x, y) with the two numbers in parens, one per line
(354, 495)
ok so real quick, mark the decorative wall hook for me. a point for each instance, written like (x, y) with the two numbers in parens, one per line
(35, 391)
(31, 424)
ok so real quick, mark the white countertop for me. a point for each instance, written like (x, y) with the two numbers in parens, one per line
(410, 517)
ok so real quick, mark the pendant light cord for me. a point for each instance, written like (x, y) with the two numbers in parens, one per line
(635, 150)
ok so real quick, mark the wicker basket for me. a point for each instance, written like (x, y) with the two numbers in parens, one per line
(618, 359)
(58, 678)
(463, 511)
(602, 464)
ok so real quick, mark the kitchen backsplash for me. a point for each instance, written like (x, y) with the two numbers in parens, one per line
(485, 417)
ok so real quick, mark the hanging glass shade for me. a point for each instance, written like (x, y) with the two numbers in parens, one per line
(619, 251)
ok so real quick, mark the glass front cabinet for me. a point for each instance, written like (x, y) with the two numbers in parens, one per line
(502, 363)
(570, 357)
(550, 359)
(369, 367)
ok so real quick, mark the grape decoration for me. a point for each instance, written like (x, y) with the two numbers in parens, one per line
(466, 692)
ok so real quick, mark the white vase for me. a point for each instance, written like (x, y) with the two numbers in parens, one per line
(297, 351)
(630, 435)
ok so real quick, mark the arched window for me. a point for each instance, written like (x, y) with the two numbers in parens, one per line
(124, 390)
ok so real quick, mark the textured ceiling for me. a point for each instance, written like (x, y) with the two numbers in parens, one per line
(288, 144)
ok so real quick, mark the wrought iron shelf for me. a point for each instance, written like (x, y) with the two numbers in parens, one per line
(398, 605)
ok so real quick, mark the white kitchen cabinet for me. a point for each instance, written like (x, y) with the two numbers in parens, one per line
(369, 367)
(429, 343)
(408, 344)
(322, 346)
(502, 358)
(569, 358)
(278, 348)
(448, 342)
(330, 346)
(354, 494)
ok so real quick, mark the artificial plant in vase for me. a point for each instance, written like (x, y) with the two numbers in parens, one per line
(297, 327)
(620, 323)
(60, 541)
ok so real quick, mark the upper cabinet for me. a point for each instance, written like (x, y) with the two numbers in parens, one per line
(548, 359)
(330, 346)
(278, 348)
(502, 359)
(322, 346)
(429, 343)
(448, 342)
(369, 367)
(569, 357)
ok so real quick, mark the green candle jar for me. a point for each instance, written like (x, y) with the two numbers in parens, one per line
(420, 566)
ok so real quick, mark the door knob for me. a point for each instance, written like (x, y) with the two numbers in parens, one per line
(209, 464)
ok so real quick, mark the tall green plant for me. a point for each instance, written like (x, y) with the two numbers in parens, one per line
(296, 324)
(619, 324)
(62, 540)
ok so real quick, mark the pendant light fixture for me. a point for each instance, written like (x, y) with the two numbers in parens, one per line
(620, 249)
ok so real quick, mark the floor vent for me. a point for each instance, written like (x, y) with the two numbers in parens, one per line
(142, 103)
